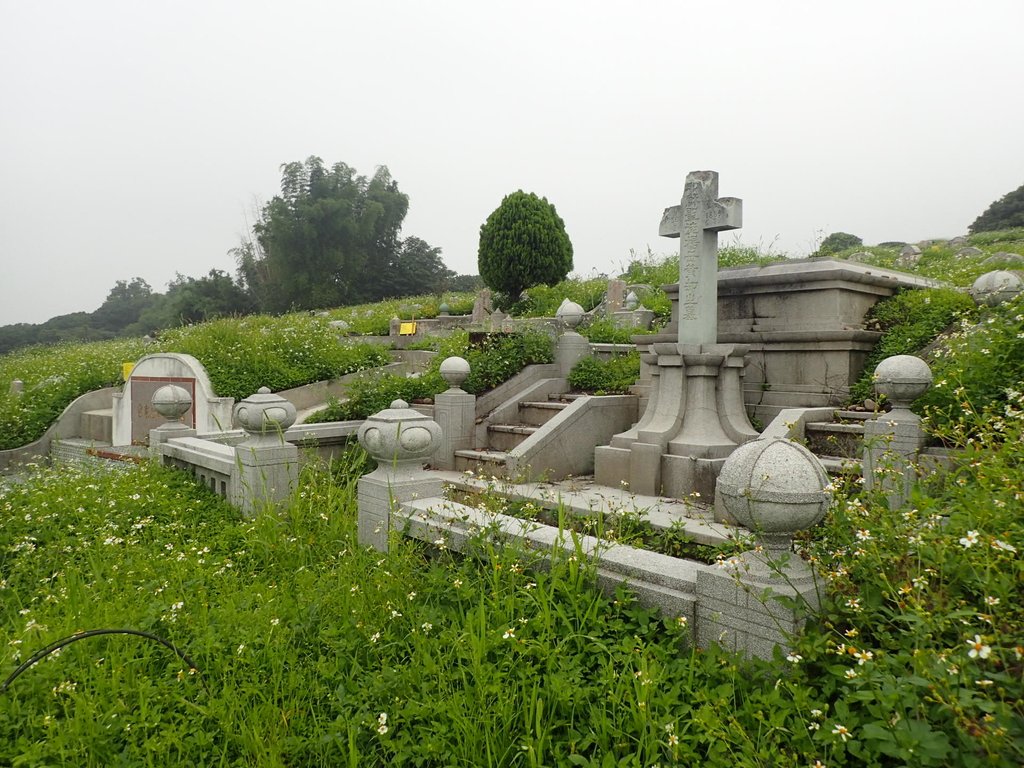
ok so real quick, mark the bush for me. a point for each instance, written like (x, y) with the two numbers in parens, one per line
(605, 377)
(1004, 213)
(497, 359)
(909, 321)
(523, 243)
(836, 242)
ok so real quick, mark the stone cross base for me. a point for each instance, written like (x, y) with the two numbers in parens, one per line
(694, 419)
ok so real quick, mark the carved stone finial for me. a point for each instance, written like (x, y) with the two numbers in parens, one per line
(902, 379)
(569, 313)
(172, 402)
(399, 438)
(454, 370)
(265, 416)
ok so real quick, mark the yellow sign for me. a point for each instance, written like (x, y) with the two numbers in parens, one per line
(407, 329)
(126, 370)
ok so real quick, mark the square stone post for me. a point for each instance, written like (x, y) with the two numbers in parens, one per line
(455, 413)
(400, 440)
(266, 466)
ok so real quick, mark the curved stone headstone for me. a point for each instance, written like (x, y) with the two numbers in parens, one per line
(134, 414)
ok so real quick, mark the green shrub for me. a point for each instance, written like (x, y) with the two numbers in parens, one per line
(838, 241)
(498, 358)
(977, 368)
(523, 243)
(1005, 213)
(909, 321)
(242, 355)
(604, 331)
(54, 376)
(605, 377)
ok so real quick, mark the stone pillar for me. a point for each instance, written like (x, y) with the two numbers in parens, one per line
(17, 388)
(400, 440)
(571, 347)
(172, 402)
(774, 487)
(267, 466)
(455, 412)
(893, 440)
(615, 297)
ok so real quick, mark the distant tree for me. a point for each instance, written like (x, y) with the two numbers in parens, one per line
(416, 267)
(194, 300)
(836, 242)
(523, 243)
(123, 306)
(464, 283)
(326, 240)
(1005, 213)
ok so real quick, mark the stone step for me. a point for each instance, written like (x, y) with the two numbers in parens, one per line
(97, 425)
(840, 465)
(539, 413)
(835, 439)
(483, 463)
(862, 416)
(505, 437)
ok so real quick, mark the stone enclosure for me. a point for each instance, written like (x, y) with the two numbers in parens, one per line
(766, 345)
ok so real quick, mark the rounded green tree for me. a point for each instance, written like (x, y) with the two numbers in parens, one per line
(523, 243)
(1005, 213)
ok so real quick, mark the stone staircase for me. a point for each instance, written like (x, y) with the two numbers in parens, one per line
(492, 457)
(839, 443)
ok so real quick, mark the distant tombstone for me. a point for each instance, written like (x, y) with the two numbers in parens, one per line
(956, 242)
(859, 256)
(969, 250)
(481, 306)
(134, 414)
(996, 287)
(17, 388)
(1004, 259)
(615, 297)
(910, 251)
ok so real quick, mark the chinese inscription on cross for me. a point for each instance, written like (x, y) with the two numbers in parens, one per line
(696, 221)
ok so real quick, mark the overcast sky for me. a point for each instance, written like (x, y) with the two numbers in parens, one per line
(137, 137)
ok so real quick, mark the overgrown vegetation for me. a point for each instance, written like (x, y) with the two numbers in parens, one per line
(614, 375)
(493, 361)
(240, 355)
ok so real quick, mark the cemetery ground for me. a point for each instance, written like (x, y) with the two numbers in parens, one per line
(310, 650)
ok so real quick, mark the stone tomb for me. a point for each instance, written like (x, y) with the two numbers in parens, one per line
(133, 411)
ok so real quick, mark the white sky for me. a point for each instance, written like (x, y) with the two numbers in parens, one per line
(136, 137)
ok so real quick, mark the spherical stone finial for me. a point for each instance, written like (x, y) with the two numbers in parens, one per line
(775, 487)
(172, 402)
(996, 287)
(444, 310)
(454, 370)
(902, 379)
(265, 416)
(570, 313)
(399, 438)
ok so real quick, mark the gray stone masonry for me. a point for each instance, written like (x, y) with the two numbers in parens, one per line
(893, 442)
(455, 413)
(695, 415)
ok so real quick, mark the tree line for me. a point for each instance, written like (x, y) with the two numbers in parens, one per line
(330, 238)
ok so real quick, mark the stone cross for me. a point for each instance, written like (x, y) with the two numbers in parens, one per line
(696, 221)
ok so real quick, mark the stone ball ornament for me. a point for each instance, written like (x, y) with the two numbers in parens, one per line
(265, 415)
(454, 370)
(399, 436)
(902, 379)
(172, 402)
(994, 288)
(570, 313)
(775, 487)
